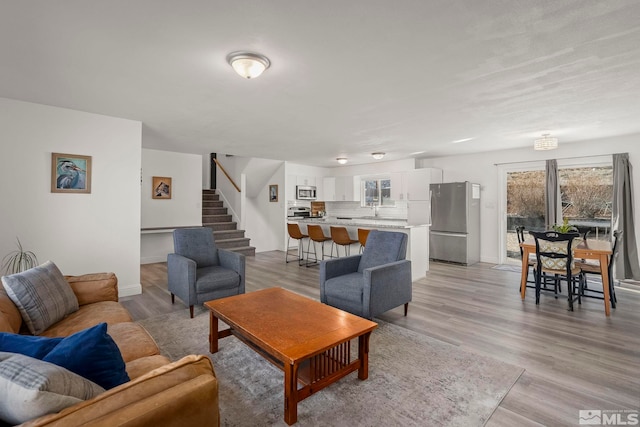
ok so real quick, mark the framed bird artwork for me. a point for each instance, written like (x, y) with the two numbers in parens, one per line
(70, 173)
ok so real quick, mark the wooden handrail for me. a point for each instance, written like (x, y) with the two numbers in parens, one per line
(227, 175)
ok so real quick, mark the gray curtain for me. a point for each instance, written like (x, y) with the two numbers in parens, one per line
(551, 191)
(626, 266)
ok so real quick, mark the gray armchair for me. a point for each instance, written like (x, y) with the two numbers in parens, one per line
(198, 271)
(371, 283)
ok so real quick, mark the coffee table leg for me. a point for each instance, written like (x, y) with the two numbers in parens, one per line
(290, 393)
(213, 333)
(363, 355)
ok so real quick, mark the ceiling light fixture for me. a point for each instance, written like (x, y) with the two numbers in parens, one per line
(545, 143)
(378, 155)
(342, 160)
(248, 65)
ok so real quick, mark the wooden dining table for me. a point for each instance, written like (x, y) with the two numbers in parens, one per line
(599, 250)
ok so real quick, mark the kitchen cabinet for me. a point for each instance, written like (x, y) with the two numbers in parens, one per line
(414, 184)
(306, 180)
(329, 188)
(340, 188)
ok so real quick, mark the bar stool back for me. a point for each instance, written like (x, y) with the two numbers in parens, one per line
(316, 235)
(340, 236)
(295, 233)
(363, 233)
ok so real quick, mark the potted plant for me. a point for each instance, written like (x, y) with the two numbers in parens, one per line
(565, 227)
(19, 260)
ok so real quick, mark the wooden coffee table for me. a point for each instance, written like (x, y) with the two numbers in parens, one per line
(309, 341)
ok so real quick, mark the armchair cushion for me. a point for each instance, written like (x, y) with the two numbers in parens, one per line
(383, 248)
(42, 295)
(215, 277)
(345, 292)
(197, 244)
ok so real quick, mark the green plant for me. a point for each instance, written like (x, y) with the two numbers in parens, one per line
(565, 227)
(19, 260)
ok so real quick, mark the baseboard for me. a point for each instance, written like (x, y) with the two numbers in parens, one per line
(127, 291)
(153, 259)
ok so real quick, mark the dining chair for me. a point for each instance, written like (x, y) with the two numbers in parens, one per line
(531, 262)
(593, 268)
(554, 256)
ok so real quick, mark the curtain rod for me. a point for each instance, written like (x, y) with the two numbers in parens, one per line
(560, 158)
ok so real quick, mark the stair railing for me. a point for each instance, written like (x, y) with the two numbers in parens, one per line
(227, 175)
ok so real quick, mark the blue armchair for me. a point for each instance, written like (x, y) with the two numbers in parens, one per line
(371, 283)
(198, 271)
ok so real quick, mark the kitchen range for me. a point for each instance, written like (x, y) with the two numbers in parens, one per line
(298, 212)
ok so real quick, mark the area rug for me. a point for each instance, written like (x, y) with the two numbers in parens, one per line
(414, 380)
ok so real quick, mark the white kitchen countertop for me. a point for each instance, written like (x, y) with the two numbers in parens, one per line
(359, 222)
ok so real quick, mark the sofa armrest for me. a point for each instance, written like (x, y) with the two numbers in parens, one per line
(182, 393)
(96, 287)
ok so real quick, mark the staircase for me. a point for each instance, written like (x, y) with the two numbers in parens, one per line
(225, 231)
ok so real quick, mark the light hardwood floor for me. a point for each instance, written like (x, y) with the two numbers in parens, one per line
(572, 360)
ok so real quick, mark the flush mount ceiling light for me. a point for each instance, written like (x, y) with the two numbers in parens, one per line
(248, 65)
(378, 155)
(545, 143)
(342, 160)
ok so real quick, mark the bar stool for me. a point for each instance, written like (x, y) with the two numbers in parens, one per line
(315, 235)
(295, 233)
(363, 233)
(340, 236)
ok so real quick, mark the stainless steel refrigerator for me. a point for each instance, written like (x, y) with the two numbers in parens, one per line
(455, 222)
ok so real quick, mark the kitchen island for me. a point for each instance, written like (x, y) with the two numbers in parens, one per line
(417, 244)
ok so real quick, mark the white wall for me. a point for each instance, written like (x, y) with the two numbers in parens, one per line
(482, 169)
(81, 233)
(183, 209)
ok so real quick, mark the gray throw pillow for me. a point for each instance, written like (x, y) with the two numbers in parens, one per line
(31, 388)
(42, 295)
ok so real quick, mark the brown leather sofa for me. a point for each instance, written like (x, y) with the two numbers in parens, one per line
(159, 394)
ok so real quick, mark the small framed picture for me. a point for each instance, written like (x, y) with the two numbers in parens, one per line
(161, 187)
(273, 193)
(70, 173)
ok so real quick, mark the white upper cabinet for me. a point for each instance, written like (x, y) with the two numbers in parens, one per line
(306, 180)
(414, 184)
(329, 190)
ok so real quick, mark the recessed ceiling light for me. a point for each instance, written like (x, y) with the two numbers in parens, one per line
(342, 160)
(377, 155)
(457, 141)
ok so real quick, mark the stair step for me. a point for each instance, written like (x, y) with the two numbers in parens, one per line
(212, 204)
(228, 234)
(213, 211)
(209, 191)
(245, 250)
(210, 197)
(209, 219)
(233, 243)
(219, 226)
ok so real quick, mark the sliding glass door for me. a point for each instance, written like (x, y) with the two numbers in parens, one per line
(586, 188)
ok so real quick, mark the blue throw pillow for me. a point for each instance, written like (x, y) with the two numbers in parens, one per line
(92, 354)
(36, 347)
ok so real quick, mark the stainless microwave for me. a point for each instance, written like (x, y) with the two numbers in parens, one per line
(305, 192)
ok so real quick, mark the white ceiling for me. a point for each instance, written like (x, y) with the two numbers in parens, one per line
(348, 77)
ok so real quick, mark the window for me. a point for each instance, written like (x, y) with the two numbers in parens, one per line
(376, 192)
(587, 194)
